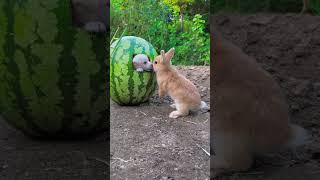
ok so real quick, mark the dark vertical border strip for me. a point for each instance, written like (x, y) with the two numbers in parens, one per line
(3, 35)
(130, 70)
(102, 77)
(211, 87)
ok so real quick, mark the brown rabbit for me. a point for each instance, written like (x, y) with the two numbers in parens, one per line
(184, 93)
(250, 112)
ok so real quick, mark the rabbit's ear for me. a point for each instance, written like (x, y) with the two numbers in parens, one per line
(169, 54)
(163, 56)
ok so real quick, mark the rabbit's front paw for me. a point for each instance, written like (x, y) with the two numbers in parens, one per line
(175, 114)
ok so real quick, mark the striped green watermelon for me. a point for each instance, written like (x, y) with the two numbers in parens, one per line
(53, 76)
(127, 86)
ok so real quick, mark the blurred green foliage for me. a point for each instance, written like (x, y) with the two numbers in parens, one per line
(182, 24)
(253, 6)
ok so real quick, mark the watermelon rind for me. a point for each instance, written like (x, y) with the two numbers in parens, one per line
(127, 86)
(54, 76)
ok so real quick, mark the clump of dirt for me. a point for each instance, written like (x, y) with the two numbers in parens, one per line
(287, 46)
(147, 144)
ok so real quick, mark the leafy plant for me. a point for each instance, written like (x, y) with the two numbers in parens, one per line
(160, 23)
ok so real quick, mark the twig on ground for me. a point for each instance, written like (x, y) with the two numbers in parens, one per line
(190, 122)
(156, 118)
(203, 150)
(122, 159)
(143, 113)
(101, 160)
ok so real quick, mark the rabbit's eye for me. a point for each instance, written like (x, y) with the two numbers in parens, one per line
(156, 62)
(145, 63)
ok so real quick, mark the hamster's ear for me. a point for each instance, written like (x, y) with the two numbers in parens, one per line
(133, 55)
(149, 59)
(163, 56)
(169, 54)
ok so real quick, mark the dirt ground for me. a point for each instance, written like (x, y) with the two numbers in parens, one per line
(147, 144)
(287, 46)
(22, 158)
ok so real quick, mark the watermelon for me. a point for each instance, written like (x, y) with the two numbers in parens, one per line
(127, 86)
(53, 75)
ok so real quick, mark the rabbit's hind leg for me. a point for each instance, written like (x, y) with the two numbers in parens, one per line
(182, 110)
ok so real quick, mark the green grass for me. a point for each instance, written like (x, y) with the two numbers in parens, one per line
(254, 6)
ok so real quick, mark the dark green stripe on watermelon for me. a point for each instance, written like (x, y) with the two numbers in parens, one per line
(151, 83)
(67, 81)
(130, 74)
(142, 85)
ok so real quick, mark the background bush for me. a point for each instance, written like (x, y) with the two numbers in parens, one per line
(159, 22)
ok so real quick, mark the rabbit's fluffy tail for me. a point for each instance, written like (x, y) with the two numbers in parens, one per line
(204, 106)
(299, 136)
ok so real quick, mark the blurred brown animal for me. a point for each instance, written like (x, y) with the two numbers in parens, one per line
(250, 112)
